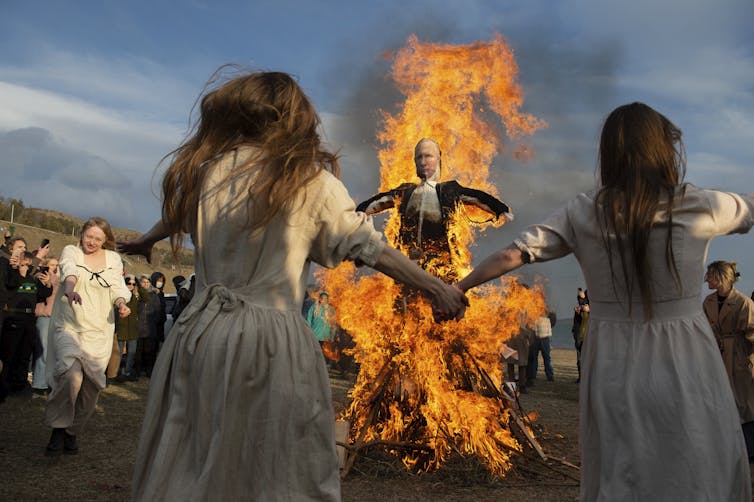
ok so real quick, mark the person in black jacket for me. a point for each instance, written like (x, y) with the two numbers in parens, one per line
(427, 208)
(157, 312)
(24, 289)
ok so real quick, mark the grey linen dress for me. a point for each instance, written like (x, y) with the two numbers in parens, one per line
(657, 416)
(239, 404)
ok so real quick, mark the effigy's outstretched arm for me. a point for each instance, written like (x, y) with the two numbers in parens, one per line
(485, 202)
(382, 201)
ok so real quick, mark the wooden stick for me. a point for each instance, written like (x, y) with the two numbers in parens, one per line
(376, 401)
(528, 436)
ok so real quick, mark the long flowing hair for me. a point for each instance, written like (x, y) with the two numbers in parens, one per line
(642, 162)
(265, 110)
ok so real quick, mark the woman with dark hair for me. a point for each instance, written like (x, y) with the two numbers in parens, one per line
(127, 334)
(731, 315)
(82, 327)
(239, 405)
(657, 417)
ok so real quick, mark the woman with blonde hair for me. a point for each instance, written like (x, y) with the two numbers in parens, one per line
(239, 404)
(657, 417)
(82, 327)
(731, 315)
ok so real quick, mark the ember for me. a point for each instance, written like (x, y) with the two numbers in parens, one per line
(425, 390)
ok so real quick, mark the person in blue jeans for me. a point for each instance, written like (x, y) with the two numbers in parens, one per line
(543, 334)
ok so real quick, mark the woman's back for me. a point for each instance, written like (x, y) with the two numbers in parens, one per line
(270, 264)
(699, 215)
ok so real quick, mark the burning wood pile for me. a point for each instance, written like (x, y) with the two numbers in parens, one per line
(427, 390)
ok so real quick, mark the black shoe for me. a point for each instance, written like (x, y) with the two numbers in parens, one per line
(522, 390)
(550, 378)
(55, 446)
(40, 392)
(69, 444)
(133, 377)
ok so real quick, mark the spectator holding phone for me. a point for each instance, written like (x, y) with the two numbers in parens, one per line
(19, 327)
(43, 311)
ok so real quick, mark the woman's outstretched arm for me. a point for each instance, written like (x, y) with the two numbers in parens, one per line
(492, 267)
(448, 302)
(143, 245)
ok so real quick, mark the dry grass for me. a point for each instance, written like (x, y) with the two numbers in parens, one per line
(102, 470)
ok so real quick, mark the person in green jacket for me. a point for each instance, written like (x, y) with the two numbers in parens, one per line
(321, 318)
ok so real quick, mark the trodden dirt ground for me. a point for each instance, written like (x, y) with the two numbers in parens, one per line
(102, 469)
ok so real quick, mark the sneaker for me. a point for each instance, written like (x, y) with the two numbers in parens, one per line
(69, 444)
(55, 446)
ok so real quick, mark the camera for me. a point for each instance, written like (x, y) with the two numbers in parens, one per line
(43, 270)
(45, 242)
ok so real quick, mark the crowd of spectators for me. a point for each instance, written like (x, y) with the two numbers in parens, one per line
(29, 282)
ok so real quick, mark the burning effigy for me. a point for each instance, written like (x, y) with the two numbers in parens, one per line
(425, 390)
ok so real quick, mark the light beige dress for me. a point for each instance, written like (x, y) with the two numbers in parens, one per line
(239, 405)
(657, 416)
(85, 332)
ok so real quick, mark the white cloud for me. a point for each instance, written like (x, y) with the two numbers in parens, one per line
(91, 153)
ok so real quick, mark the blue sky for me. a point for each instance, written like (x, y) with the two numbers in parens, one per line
(93, 94)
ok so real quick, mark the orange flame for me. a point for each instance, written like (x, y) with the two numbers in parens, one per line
(419, 381)
(331, 350)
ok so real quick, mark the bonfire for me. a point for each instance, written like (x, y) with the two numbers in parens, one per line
(426, 390)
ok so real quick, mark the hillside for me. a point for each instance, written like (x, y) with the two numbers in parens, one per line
(162, 259)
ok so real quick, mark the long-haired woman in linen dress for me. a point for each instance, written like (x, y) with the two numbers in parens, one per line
(82, 327)
(239, 404)
(657, 416)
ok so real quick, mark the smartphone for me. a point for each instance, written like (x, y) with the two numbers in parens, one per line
(45, 242)
(43, 270)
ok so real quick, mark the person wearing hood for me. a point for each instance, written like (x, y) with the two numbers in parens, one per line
(152, 324)
(157, 309)
(426, 210)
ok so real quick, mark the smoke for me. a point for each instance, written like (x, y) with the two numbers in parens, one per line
(570, 86)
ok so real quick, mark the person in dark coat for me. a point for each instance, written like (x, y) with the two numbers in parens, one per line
(157, 310)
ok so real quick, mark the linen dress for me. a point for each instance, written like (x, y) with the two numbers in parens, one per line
(239, 404)
(657, 416)
(85, 332)
(82, 333)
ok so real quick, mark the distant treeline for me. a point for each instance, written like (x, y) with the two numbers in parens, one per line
(35, 217)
